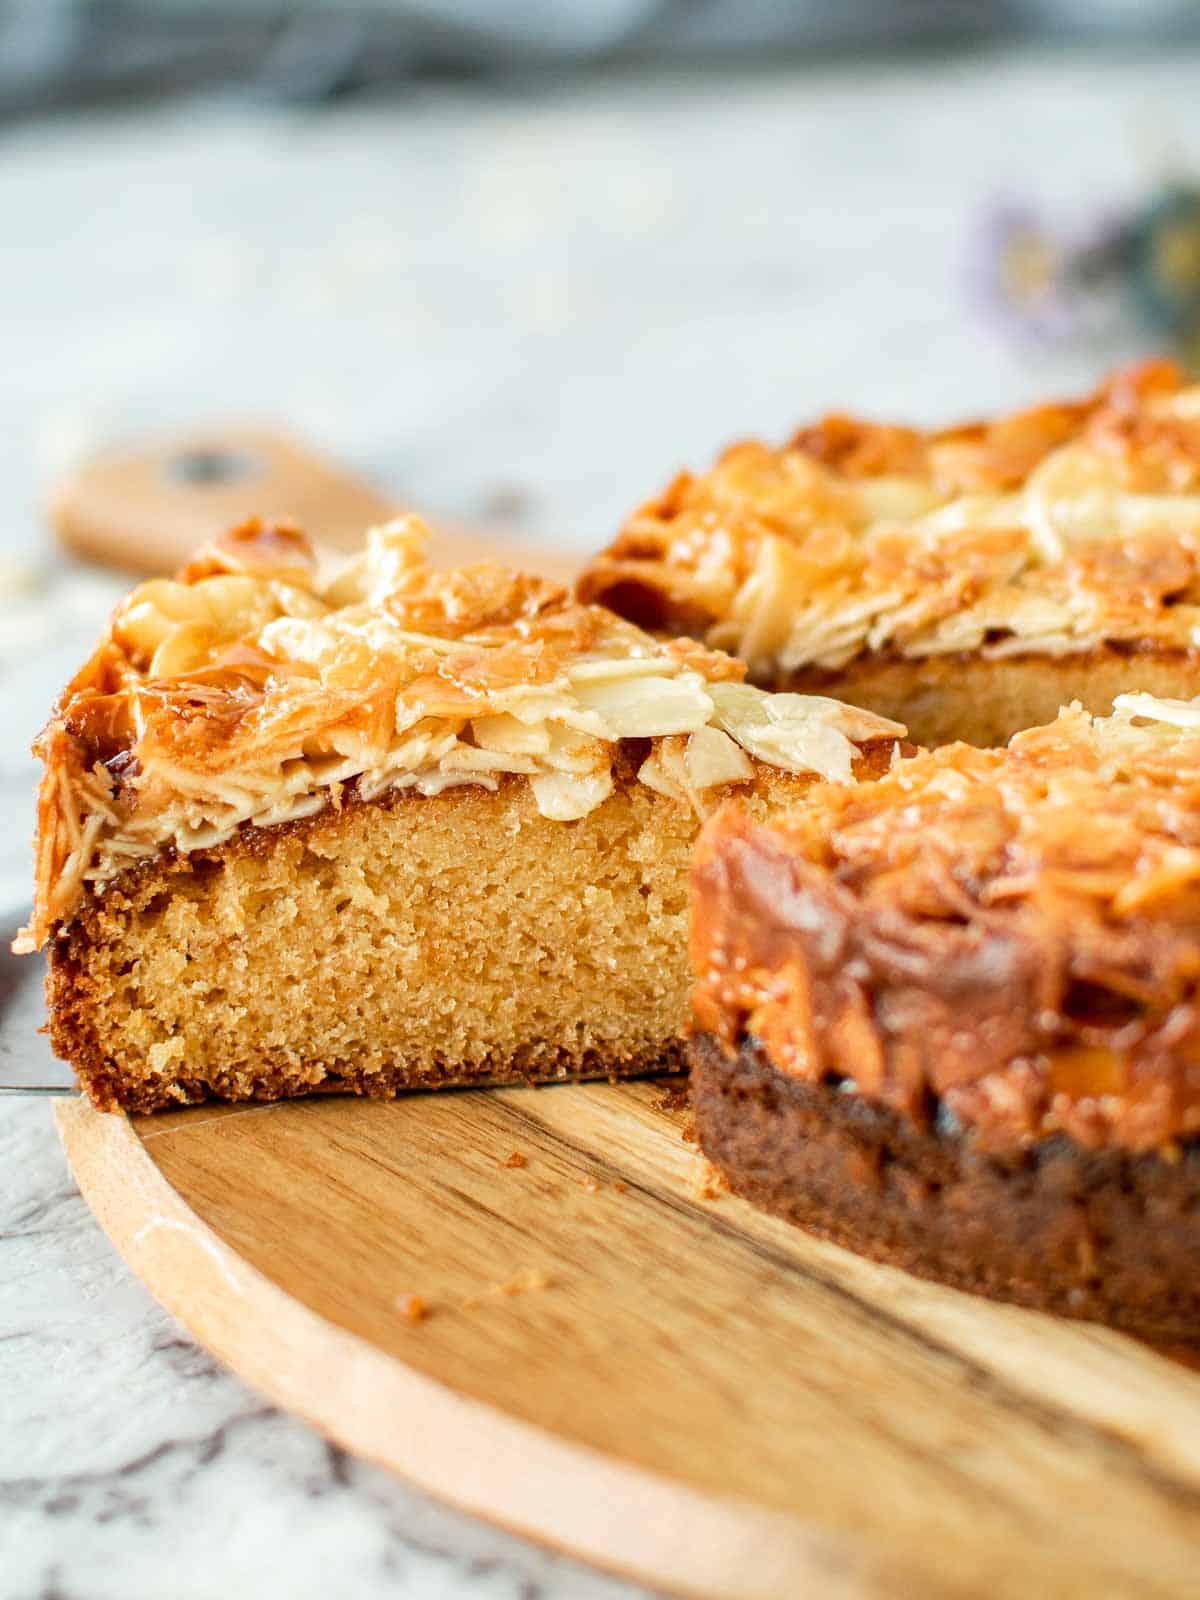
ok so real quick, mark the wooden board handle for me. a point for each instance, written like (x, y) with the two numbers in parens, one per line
(147, 509)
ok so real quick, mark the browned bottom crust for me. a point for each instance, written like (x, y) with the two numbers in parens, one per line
(1105, 1235)
(984, 702)
(110, 1091)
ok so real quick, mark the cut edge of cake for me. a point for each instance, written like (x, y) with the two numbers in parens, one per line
(391, 828)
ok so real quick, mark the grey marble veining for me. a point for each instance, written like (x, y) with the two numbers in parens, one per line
(528, 305)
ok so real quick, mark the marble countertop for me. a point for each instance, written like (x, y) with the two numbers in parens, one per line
(528, 304)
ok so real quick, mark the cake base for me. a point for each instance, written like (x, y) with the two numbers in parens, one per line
(1099, 1234)
(409, 942)
(984, 702)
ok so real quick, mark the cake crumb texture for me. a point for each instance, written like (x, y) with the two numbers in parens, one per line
(982, 702)
(405, 943)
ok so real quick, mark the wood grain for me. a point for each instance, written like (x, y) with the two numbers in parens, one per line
(624, 1364)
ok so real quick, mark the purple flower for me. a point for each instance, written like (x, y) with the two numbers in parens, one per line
(1019, 274)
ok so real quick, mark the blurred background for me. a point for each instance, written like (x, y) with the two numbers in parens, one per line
(517, 263)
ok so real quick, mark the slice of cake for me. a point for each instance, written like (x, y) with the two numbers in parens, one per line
(399, 829)
(967, 582)
(950, 1018)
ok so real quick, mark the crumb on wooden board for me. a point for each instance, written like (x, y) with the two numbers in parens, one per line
(711, 1183)
(674, 1097)
(531, 1278)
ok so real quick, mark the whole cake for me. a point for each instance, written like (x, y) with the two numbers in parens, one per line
(967, 582)
(394, 828)
(950, 1017)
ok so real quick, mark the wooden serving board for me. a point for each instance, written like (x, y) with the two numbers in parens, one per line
(622, 1362)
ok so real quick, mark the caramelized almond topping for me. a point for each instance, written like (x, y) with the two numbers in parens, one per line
(245, 691)
(1051, 531)
(1011, 934)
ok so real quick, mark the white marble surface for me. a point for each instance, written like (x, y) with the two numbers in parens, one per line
(130, 1465)
(530, 303)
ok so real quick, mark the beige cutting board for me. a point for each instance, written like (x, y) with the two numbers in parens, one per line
(624, 1364)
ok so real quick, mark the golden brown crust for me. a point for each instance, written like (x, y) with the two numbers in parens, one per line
(248, 691)
(1048, 534)
(1010, 933)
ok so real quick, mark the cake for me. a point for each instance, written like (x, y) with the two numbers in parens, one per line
(950, 1017)
(387, 828)
(966, 582)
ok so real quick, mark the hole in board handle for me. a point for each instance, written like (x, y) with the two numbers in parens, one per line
(206, 468)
